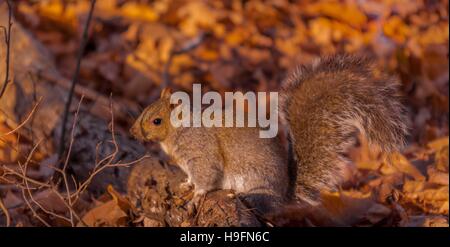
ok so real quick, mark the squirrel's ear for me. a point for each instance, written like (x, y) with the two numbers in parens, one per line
(165, 93)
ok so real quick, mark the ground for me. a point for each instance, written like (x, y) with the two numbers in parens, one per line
(136, 47)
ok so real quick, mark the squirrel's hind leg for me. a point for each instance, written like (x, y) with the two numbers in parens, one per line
(263, 203)
(206, 176)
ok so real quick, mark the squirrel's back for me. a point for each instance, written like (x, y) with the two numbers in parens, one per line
(325, 105)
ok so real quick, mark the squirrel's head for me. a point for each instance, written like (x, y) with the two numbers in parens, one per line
(154, 122)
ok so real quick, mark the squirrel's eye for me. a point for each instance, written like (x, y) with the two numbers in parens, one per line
(157, 121)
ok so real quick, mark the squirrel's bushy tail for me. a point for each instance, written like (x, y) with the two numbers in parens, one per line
(325, 105)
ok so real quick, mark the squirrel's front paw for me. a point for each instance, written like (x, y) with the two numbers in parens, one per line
(186, 186)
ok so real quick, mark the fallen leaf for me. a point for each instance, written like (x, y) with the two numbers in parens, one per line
(436, 176)
(426, 221)
(139, 12)
(377, 213)
(348, 207)
(438, 144)
(107, 214)
(111, 213)
(402, 164)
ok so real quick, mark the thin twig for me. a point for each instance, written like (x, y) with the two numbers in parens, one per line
(18, 174)
(64, 173)
(25, 121)
(7, 33)
(35, 214)
(70, 197)
(70, 207)
(24, 173)
(108, 160)
(75, 80)
(5, 211)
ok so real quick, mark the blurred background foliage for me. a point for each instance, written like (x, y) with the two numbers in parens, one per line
(135, 46)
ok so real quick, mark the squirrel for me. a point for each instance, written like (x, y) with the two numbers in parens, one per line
(323, 106)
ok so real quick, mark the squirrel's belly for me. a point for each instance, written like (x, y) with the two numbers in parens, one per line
(236, 183)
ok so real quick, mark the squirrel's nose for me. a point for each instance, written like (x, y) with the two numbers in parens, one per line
(134, 131)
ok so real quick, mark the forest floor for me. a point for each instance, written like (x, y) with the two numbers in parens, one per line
(135, 47)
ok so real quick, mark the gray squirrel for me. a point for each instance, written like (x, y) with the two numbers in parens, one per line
(323, 106)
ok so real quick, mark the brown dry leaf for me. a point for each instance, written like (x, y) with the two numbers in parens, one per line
(430, 198)
(184, 80)
(148, 222)
(107, 214)
(110, 213)
(12, 138)
(141, 12)
(426, 221)
(222, 74)
(369, 165)
(433, 195)
(237, 36)
(181, 62)
(436, 176)
(196, 15)
(50, 201)
(165, 48)
(208, 54)
(262, 14)
(377, 213)
(11, 200)
(347, 13)
(250, 45)
(385, 185)
(444, 208)
(321, 31)
(8, 154)
(402, 164)
(435, 34)
(186, 224)
(56, 11)
(439, 173)
(109, 70)
(396, 29)
(411, 186)
(352, 207)
(121, 201)
(30, 14)
(254, 56)
(441, 158)
(439, 144)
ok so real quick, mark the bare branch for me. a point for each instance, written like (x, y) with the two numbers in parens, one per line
(8, 46)
(70, 196)
(24, 173)
(75, 79)
(64, 173)
(25, 121)
(20, 175)
(35, 214)
(5, 211)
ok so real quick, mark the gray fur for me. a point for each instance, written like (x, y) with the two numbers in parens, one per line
(325, 105)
